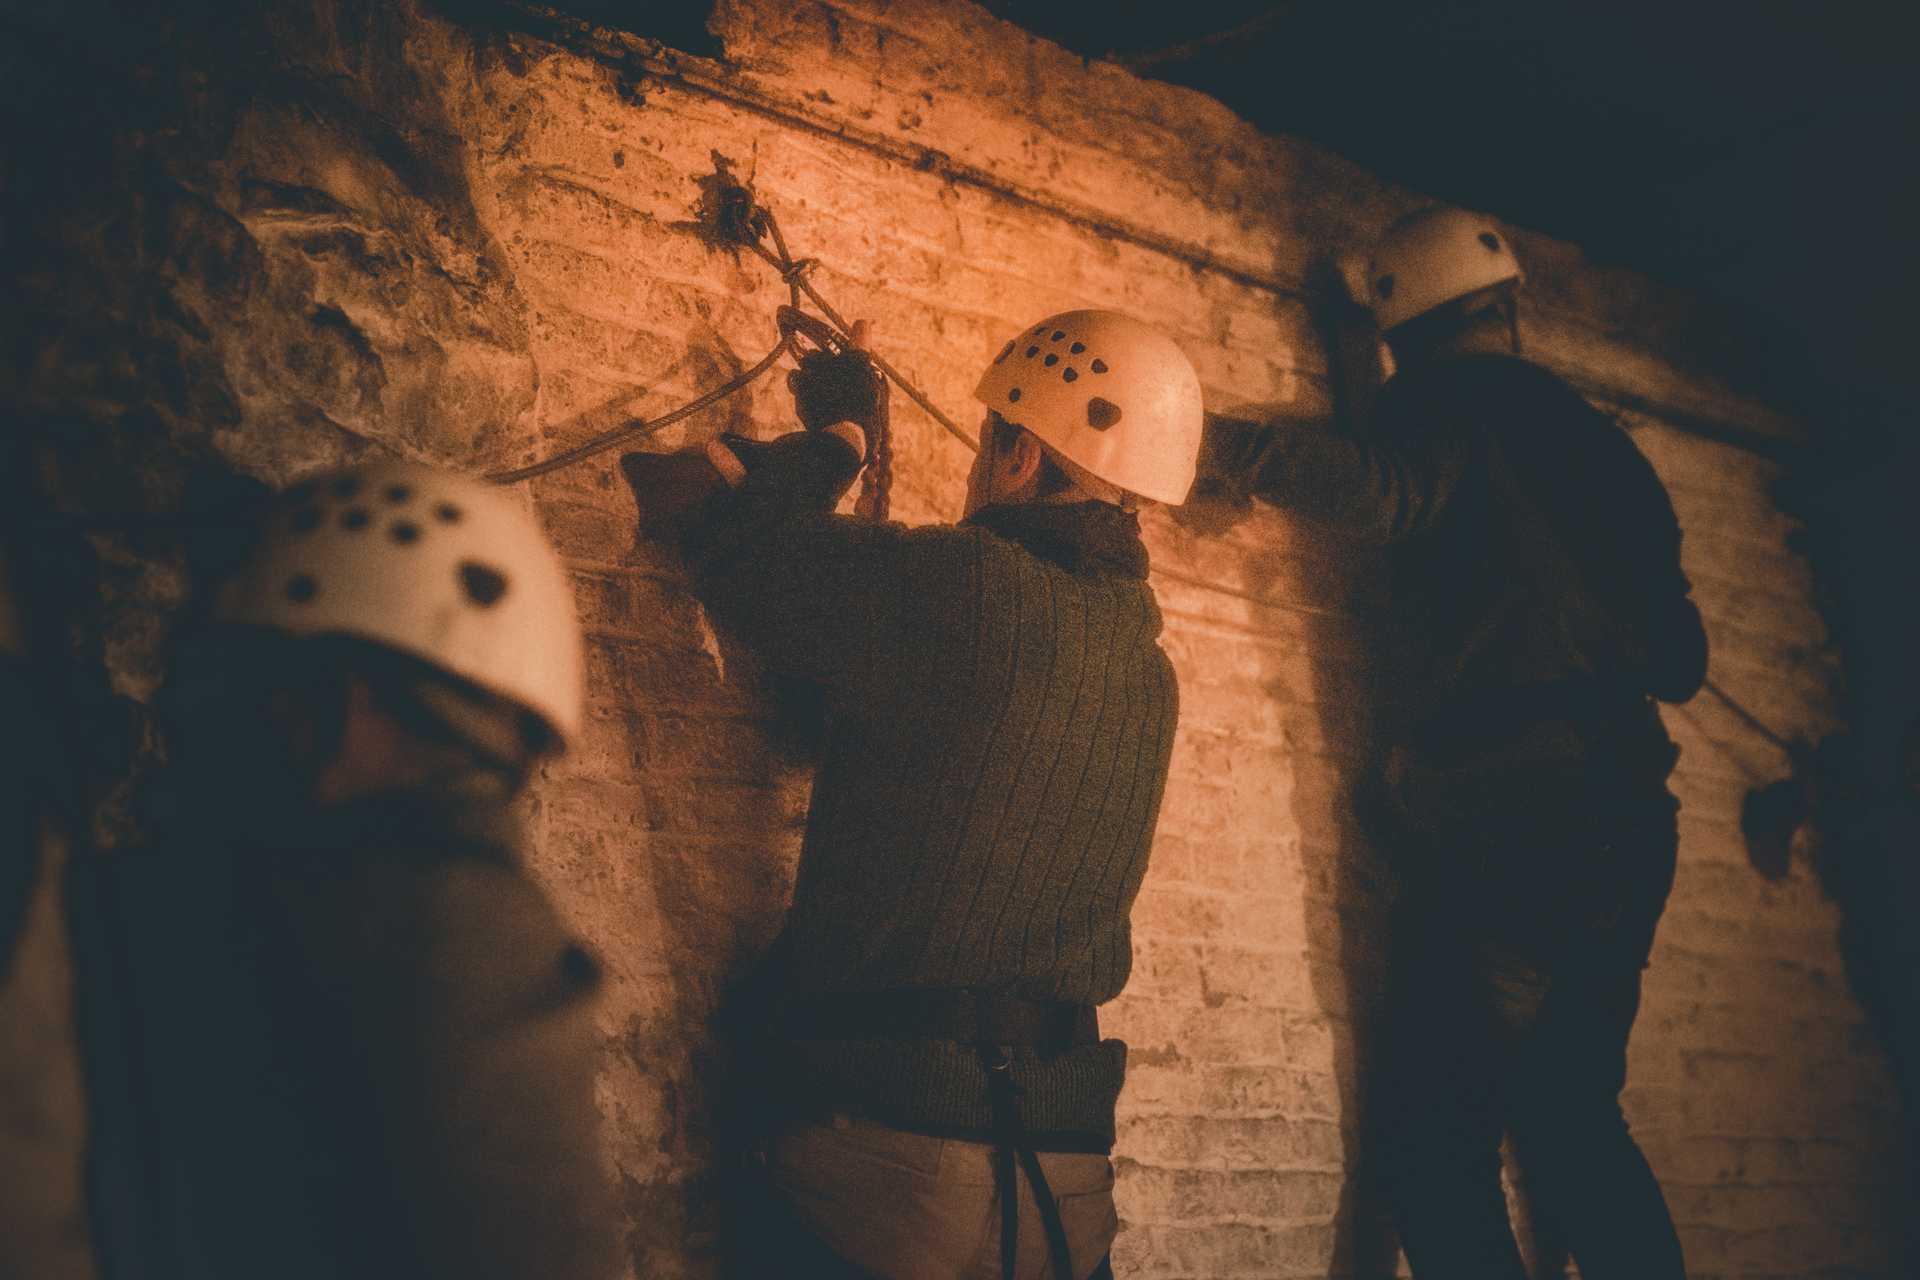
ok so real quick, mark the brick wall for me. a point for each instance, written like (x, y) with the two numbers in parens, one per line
(474, 244)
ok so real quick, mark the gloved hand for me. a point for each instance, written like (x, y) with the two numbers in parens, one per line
(829, 388)
(813, 467)
(668, 487)
(1229, 448)
(672, 488)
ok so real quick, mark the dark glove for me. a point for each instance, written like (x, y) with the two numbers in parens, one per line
(829, 388)
(1229, 450)
(669, 487)
(815, 467)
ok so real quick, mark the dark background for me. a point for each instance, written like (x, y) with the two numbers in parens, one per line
(1759, 153)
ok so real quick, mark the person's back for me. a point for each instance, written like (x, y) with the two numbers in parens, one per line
(1539, 616)
(1000, 720)
(333, 1026)
(1558, 556)
(1539, 610)
(986, 801)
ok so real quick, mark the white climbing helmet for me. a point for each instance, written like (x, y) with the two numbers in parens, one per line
(445, 568)
(1111, 395)
(1429, 258)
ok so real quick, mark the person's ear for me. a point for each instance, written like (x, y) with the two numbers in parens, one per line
(1023, 461)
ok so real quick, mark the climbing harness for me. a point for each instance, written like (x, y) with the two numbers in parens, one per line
(1011, 1142)
(993, 1023)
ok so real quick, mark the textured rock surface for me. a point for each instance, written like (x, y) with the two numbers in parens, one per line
(361, 227)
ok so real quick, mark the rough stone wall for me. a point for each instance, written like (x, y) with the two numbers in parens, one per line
(391, 229)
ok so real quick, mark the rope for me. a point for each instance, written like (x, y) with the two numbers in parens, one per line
(1752, 721)
(795, 274)
(640, 429)
(748, 223)
(751, 230)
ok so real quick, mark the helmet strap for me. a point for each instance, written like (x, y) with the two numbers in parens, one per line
(480, 734)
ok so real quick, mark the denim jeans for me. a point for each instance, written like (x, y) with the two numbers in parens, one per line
(905, 1206)
(1485, 1032)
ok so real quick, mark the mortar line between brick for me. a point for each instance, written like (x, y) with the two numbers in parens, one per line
(606, 46)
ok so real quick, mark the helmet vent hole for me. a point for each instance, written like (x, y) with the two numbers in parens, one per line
(447, 513)
(1032, 352)
(1069, 373)
(1059, 334)
(1490, 240)
(301, 588)
(1077, 348)
(354, 518)
(1051, 360)
(1384, 286)
(483, 585)
(1004, 354)
(1099, 366)
(397, 493)
(1014, 395)
(404, 532)
(1101, 413)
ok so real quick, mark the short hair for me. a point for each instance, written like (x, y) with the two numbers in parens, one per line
(1003, 434)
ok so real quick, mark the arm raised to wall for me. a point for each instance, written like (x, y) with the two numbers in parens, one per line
(1375, 492)
(817, 595)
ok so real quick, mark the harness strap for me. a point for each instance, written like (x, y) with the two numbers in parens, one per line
(993, 1022)
(1050, 1220)
(1010, 1143)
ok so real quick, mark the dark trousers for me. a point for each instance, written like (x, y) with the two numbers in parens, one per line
(1488, 1030)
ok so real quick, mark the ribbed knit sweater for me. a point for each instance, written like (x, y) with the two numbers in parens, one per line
(1000, 720)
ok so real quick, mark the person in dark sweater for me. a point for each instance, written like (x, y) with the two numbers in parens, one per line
(333, 1027)
(1000, 718)
(1541, 610)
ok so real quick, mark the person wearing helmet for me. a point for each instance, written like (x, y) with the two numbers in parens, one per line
(1540, 611)
(333, 1026)
(1000, 715)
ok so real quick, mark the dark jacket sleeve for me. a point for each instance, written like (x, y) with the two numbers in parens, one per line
(817, 595)
(1374, 491)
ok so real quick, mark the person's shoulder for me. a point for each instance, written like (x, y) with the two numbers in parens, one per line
(1511, 376)
(1523, 397)
(927, 554)
(1462, 392)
